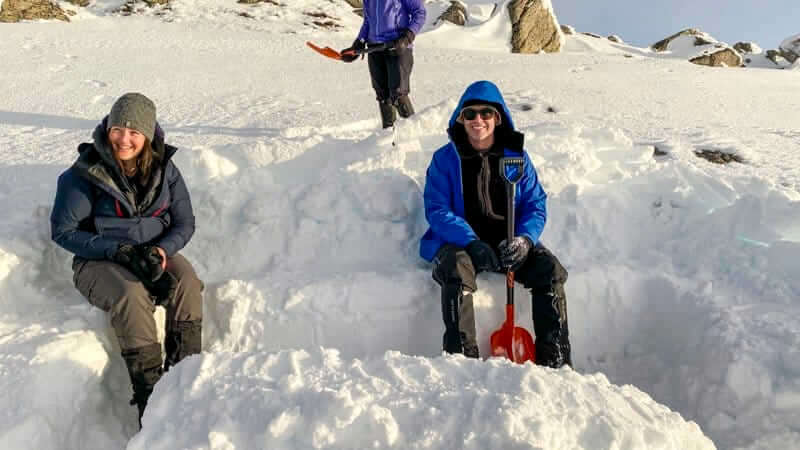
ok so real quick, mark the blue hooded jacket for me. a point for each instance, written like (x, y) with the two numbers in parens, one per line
(94, 212)
(444, 194)
(385, 20)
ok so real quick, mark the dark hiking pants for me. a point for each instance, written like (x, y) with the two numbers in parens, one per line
(112, 288)
(541, 273)
(390, 72)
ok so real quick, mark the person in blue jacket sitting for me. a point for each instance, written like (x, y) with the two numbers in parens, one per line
(465, 206)
(124, 211)
(394, 23)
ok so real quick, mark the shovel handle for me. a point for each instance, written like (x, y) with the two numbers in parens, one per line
(510, 195)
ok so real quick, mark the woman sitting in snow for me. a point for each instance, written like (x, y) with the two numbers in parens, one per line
(124, 211)
(465, 204)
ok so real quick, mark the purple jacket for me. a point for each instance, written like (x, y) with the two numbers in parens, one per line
(385, 20)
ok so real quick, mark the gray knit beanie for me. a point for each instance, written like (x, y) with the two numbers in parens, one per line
(134, 110)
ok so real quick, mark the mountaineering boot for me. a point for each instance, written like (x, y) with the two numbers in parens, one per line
(182, 339)
(404, 106)
(459, 321)
(550, 325)
(548, 350)
(144, 370)
(388, 113)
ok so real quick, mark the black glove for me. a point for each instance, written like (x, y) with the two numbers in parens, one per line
(513, 254)
(351, 53)
(147, 264)
(155, 262)
(403, 41)
(131, 258)
(483, 257)
(143, 261)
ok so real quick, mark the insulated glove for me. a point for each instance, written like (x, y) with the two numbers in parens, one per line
(482, 255)
(131, 258)
(403, 41)
(155, 262)
(350, 54)
(145, 262)
(514, 253)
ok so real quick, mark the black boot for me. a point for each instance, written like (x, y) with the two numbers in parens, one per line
(184, 339)
(551, 326)
(459, 321)
(548, 351)
(388, 113)
(144, 370)
(404, 106)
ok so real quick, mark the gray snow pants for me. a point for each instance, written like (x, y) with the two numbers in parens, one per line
(112, 288)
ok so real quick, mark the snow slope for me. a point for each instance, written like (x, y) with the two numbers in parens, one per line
(323, 326)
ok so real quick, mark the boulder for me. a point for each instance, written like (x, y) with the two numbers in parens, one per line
(534, 27)
(456, 14)
(662, 45)
(724, 57)
(747, 47)
(16, 10)
(774, 56)
(702, 40)
(567, 29)
(790, 48)
(615, 38)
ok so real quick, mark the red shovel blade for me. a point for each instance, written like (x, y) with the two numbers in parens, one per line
(327, 51)
(514, 343)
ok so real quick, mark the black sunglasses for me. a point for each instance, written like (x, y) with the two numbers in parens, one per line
(486, 113)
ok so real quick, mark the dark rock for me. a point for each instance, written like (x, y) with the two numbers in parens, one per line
(456, 14)
(718, 157)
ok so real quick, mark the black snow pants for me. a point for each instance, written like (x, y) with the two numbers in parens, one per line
(542, 274)
(390, 72)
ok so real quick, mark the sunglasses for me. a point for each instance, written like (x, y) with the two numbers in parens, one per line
(486, 112)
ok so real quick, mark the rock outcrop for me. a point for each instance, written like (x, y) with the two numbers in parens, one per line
(16, 10)
(747, 47)
(456, 14)
(700, 48)
(723, 57)
(534, 27)
(790, 48)
(663, 44)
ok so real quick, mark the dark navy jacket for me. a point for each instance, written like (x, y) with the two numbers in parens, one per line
(385, 20)
(444, 193)
(95, 210)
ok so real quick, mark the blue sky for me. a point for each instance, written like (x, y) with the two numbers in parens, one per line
(643, 23)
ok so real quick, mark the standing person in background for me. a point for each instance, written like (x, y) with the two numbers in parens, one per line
(466, 208)
(394, 23)
(124, 211)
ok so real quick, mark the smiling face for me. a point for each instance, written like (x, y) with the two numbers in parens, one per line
(479, 123)
(126, 143)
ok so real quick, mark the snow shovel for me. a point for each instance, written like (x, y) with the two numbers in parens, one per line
(333, 54)
(514, 343)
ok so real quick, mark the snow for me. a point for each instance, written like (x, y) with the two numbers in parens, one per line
(322, 325)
